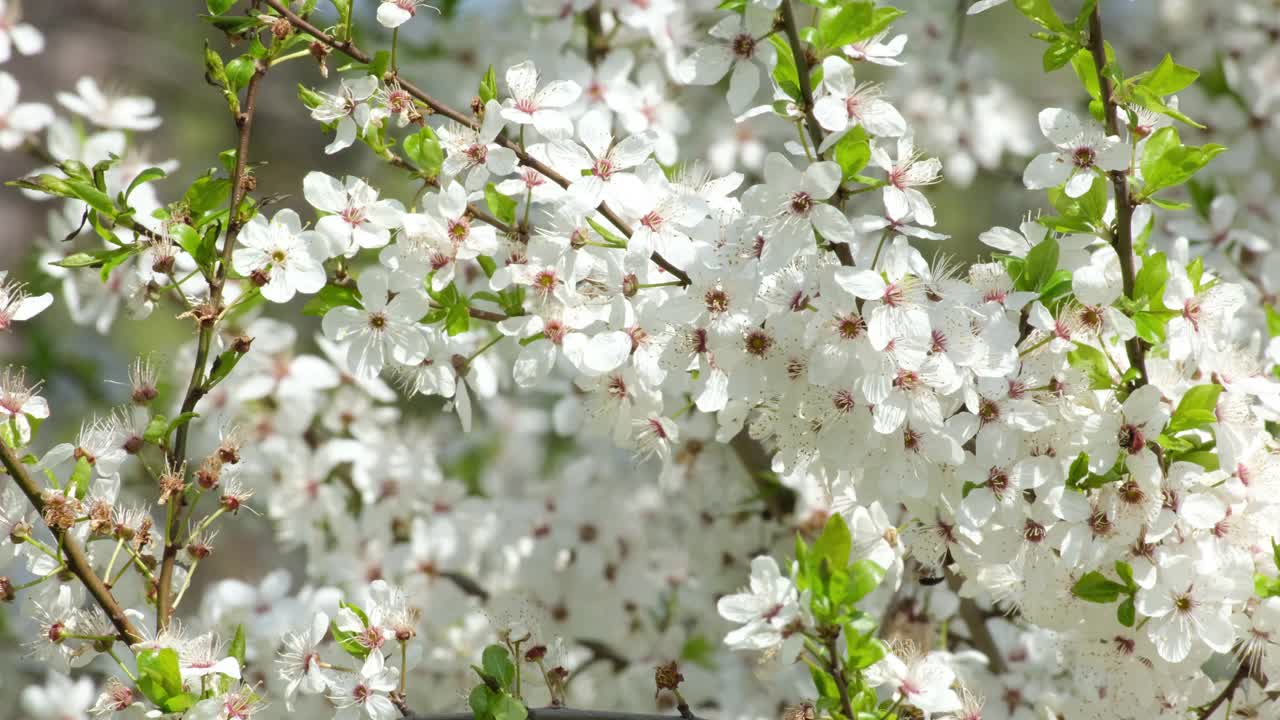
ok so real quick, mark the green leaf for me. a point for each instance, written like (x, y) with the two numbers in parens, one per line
(81, 476)
(159, 677)
(346, 639)
(149, 175)
(1265, 587)
(1059, 53)
(239, 72)
(1094, 363)
(218, 7)
(864, 576)
(157, 430)
(330, 297)
(865, 651)
(1196, 409)
(855, 21)
(1096, 588)
(835, 542)
(1151, 279)
(1041, 12)
(1168, 77)
(222, 367)
(784, 71)
(1166, 162)
(852, 152)
(1079, 470)
(237, 645)
(208, 194)
(423, 148)
(497, 664)
(479, 700)
(1125, 571)
(1042, 263)
(700, 651)
(503, 207)
(1126, 613)
(95, 198)
(458, 319)
(97, 258)
(488, 86)
(609, 236)
(505, 707)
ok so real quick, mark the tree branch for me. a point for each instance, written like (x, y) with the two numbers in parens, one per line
(75, 559)
(806, 95)
(559, 713)
(439, 108)
(802, 71)
(980, 635)
(196, 388)
(1123, 235)
(1236, 680)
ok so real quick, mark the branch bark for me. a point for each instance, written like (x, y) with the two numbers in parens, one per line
(76, 561)
(350, 50)
(1122, 238)
(792, 31)
(1236, 680)
(559, 713)
(196, 388)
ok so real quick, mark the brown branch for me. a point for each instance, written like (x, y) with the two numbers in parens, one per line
(1236, 680)
(758, 462)
(789, 25)
(350, 50)
(196, 387)
(802, 73)
(1122, 238)
(473, 210)
(980, 637)
(75, 559)
(560, 713)
(836, 668)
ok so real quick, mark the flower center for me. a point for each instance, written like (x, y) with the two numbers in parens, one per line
(744, 45)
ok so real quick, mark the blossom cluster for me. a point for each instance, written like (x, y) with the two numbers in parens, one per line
(1046, 480)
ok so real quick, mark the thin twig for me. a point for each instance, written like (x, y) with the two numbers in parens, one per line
(559, 713)
(75, 559)
(1123, 236)
(196, 387)
(1236, 680)
(842, 251)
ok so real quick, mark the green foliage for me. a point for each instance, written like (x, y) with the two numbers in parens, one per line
(851, 22)
(423, 148)
(852, 152)
(160, 680)
(346, 639)
(330, 297)
(488, 86)
(1196, 409)
(502, 207)
(1167, 162)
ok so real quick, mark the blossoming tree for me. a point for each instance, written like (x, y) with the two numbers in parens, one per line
(734, 437)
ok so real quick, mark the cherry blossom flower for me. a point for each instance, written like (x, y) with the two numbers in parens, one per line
(542, 108)
(128, 112)
(19, 121)
(280, 257)
(358, 220)
(349, 109)
(379, 329)
(738, 44)
(365, 693)
(1083, 149)
(767, 610)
